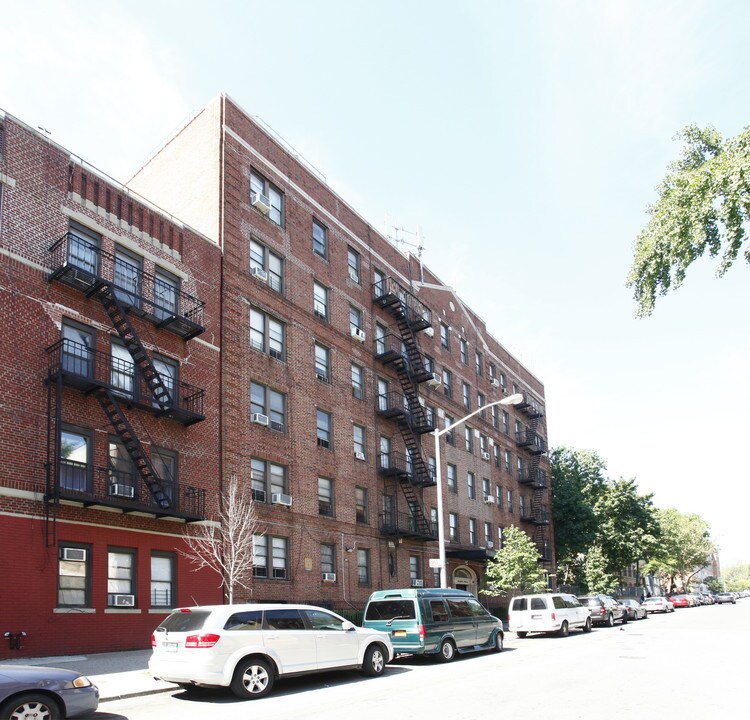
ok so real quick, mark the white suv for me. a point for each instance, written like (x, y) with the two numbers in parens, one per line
(246, 647)
(551, 612)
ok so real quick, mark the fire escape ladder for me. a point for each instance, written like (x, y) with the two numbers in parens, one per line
(133, 446)
(421, 524)
(106, 294)
(537, 499)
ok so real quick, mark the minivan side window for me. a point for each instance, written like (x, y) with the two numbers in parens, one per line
(252, 620)
(284, 620)
(538, 604)
(439, 611)
(459, 608)
(476, 608)
(558, 602)
(519, 604)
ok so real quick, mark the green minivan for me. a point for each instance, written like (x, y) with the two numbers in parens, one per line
(433, 621)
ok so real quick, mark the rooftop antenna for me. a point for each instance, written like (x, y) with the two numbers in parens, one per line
(414, 241)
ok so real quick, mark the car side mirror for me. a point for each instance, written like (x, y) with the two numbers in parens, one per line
(346, 626)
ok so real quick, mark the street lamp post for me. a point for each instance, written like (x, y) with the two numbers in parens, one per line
(514, 399)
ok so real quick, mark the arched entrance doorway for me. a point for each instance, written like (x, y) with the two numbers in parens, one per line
(464, 578)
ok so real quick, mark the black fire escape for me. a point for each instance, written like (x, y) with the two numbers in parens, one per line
(80, 264)
(408, 470)
(532, 475)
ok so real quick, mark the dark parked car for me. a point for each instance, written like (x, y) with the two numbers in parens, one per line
(634, 609)
(724, 597)
(45, 693)
(604, 609)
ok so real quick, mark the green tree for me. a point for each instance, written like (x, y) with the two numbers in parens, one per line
(703, 206)
(577, 482)
(683, 548)
(595, 575)
(713, 584)
(515, 566)
(737, 578)
(627, 526)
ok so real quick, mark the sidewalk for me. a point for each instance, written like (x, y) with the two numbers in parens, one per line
(116, 674)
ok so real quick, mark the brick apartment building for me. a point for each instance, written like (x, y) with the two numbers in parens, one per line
(269, 334)
(109, 403)
(340, 354)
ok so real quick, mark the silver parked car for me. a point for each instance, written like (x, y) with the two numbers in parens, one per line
(45, 693)
(634, 609)
(247, 647)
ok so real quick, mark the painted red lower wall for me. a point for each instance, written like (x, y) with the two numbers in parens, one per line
(28, 593)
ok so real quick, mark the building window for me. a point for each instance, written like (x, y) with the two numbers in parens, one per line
(495, 417)
(361, 505)
(75, 459)
(320, 301)
(464, 348)
(478, 363)
(78, 346)
(445, 338)
(266, 197)
(447, 382)
(471, 484)
(120, 471)
(452, 527)
(120, 577)
(270, 403)
(480, 404)
(506, 422)
(358, 381)
(499, 538)
(450, 438)
(522, 505)
(168, 373)
(515, 388)
(519, 467)
(499, 497)
(74, 575)
(325, 496)
(162, 593)
(469, 439)
(451, 478)
(484, 447)
(518, 427)
(354, 263)
(358, 433)
(128, 277)
(277, 548)
(507, 461)
(491, 370)
(431, 468)
(164, 463)
(363, 566)
(263, 260)
(320, 239)
(487, 534)
(266, 334)
(486, 493)
(496, 454)
(84, 248)
(382, 394)
(503, 382)
(466, 394)
(267, 479)
(414, 573)
(327, 559)
(429, 364)
(434, 521)
(472, 531)
(122, 375)
(385, 452)
(322, 363)
(510, 501)
(324, 429)
(355, 320)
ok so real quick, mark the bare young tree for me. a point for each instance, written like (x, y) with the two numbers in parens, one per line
(226, 545)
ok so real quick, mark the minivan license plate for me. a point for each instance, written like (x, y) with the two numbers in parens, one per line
(399, 633)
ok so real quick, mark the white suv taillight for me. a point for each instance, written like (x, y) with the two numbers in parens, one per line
(207, 640)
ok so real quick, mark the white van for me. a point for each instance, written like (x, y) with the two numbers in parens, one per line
(548, 613)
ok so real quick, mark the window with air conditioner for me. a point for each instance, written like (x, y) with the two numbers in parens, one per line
(323, 429)
(121, 574)
(267, 479)
(354, 264)
(267, 404)
(74, 576)
(264, 262)
(267, 334)
(358, 434)
(322, 363)
(266, 197)
(328, 561)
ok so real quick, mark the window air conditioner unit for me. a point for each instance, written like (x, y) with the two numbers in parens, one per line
(258, 273)
(489, 545)
(435, 380)
(485, 455)
(76, 554)
(281, 499)
(358, 334)
(489, 500)
(429, 331)
(417, 583)
(122, 600)
(329, 577)
(121, 490)
(495, 382)
(353, 275)
(359, 455)
(259, 419)
(260, 202)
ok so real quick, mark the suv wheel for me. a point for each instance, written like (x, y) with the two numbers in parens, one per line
(587, 625)
(610, 620)
(252, 679)
(447, 651)
(374, 663)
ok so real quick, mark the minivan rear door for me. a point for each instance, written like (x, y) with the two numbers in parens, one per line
(398, 617)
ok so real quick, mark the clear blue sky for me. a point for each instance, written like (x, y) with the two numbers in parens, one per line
(525, 138)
